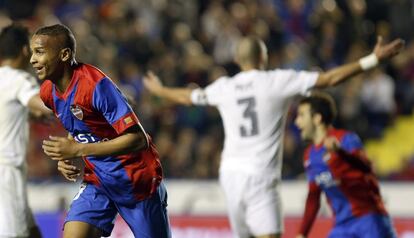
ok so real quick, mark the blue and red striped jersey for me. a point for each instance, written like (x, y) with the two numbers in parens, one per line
(92, 109)
(344, 176)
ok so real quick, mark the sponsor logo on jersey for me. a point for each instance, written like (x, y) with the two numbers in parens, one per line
(326, 179)
(76, 111)
(87, 138)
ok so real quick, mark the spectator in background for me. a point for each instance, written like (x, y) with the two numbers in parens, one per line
(377, 97)
(143, 31)
(19, 97)
(253, 104)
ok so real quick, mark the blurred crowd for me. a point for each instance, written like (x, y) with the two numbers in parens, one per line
(191, 42)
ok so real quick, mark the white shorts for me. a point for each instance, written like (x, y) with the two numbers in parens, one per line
(16, 218)
(253, 203)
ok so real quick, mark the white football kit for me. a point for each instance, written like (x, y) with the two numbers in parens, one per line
(17, 88)
(253, 106)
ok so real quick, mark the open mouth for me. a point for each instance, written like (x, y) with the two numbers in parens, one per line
(38, 69)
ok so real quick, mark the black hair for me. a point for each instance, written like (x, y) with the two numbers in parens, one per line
(323, 104)
(59, 30)
(12, 40)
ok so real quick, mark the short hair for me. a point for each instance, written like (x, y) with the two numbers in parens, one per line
(250, 50)
(323, 104)
(12, 40)
(59, 30)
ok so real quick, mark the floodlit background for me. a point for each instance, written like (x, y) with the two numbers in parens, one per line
(192, 41)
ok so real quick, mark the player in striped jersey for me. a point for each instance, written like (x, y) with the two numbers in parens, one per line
(122, 171)
(336, 165)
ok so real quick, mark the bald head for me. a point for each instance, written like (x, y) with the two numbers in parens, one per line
(251, 52)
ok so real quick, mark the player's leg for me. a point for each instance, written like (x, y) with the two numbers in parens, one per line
(78, 229)
(34, 231)
(148, 218)
(233, 185)
(14, 208)
(263, 207)
(91, 214)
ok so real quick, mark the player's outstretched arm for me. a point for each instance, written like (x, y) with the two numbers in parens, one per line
(176, 95)
(61, 148)
(311, 209)
(381, 53)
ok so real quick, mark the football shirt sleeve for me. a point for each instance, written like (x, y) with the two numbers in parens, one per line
(210, 95)
(351, 142)
(352, 152)
(109, 100)
(27, 89)
(291, 83)
(311, 208)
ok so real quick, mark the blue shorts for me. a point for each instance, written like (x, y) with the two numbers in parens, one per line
(146, 218)
(368, 226)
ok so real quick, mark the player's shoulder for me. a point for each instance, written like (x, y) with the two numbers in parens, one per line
(219, 83)
(89, 73)
(307, 152)
(16, 75)
(338, 132)
(343, 135)
(223, 79)
(46, 87)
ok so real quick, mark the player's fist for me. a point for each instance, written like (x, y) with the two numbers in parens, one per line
(68, 170)
(59, 148)
(331, 144)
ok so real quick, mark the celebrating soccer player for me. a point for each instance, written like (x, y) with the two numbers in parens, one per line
(122, 171)
(336, 164)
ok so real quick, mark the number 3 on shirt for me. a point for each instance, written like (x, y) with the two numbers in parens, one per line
(250, 113)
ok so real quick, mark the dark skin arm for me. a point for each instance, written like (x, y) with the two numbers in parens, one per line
(61, 148)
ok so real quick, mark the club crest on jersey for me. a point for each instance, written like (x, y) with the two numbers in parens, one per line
(76, 111)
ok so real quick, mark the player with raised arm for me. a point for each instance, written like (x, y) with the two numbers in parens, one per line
(19, 97)
(336, 165)
(122, 171)
(252, 105)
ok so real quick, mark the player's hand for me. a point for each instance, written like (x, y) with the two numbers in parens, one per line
(60, 148)
(300, 236)
(68, 170)
(152, 83)
(386, 51)
(331, 144)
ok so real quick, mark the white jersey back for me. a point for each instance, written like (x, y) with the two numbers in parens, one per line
(16, 89)
(253, 107)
